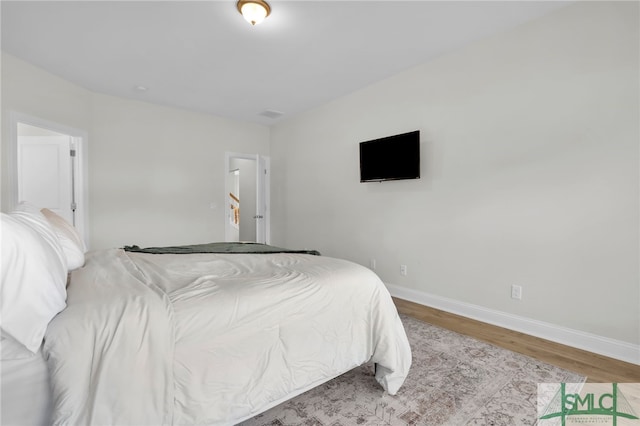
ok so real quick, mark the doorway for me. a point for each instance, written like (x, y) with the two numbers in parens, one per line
(247, 198)
(48, 168)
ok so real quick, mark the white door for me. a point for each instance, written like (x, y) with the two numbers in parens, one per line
(247, 210)
(262, 201)
(45, 173)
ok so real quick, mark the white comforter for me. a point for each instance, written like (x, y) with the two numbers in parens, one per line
(214, 338)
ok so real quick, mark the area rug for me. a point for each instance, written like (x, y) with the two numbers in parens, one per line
(454, 380)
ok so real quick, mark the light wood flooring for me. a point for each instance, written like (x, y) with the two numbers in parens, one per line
(597, 368)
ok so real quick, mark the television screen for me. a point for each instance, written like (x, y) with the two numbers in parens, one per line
(390, 158)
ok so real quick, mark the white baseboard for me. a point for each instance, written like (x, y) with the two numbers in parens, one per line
(612, 348)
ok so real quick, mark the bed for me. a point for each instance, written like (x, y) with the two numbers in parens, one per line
(177, 336)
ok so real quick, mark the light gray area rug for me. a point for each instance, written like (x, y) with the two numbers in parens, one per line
(454, 380)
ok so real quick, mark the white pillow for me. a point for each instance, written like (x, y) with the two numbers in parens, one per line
(32, 217)
(34, 272)
(71, 242)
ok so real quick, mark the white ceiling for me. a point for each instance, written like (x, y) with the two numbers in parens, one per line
(203, 56)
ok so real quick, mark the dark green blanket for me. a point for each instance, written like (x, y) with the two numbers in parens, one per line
(253, 248)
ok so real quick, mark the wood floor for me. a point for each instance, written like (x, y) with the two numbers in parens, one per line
(597, 368)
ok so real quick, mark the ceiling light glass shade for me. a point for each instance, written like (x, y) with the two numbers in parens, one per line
(254, 11)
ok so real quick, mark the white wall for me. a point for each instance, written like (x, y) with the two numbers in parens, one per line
(529, 174)
(154, 172)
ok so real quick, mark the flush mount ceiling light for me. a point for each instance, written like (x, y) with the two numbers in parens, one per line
(254, 11)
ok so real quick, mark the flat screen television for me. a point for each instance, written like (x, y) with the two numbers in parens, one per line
(390, 158)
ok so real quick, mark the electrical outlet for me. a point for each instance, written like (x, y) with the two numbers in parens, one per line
(403, 269)
(372, 264)
(516, 292)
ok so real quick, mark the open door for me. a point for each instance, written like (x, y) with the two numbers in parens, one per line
(48, 167)
(247, 198)
(261, 217)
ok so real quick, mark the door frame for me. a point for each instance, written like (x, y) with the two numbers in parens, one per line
(263, 195)
(79, 140)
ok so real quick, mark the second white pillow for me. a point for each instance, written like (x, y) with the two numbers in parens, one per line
(71, 242)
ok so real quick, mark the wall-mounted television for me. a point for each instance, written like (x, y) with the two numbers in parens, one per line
(390, 158)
